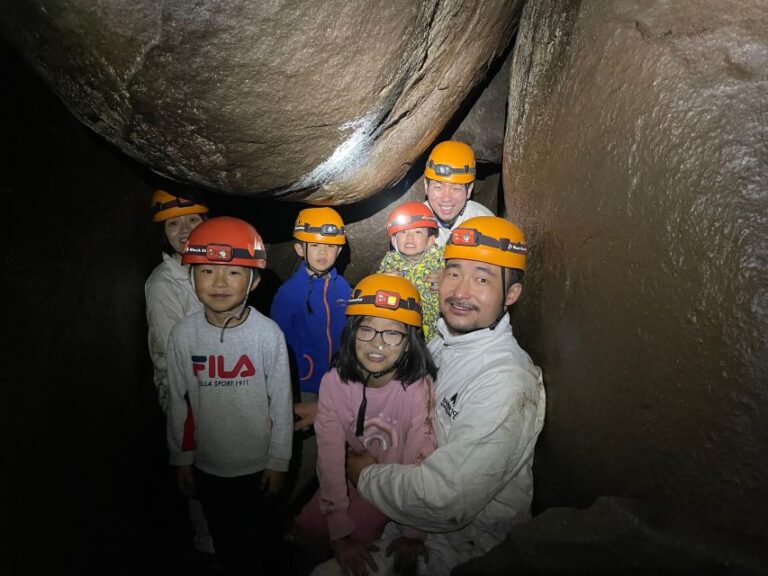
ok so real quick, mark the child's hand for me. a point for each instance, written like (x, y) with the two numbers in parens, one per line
(433, 280)
(307, 412)
(354, 557)
(407, 552)
(185, 480)
(271, 482)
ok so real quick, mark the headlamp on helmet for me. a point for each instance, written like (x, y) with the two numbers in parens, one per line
(165, 206)
(488, 239)
(386, 296)
(225, 240)
(320, 226)
(410, 215)
(451, 161)
(471, 237)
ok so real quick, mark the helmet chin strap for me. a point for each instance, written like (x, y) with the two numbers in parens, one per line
(316, 273)
(313, 274)
(503, 299)
(241, 306)
(359, 428)
(449, 225)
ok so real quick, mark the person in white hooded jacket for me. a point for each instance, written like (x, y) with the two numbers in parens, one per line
(170, 297)
(168, 290)
(490, 410)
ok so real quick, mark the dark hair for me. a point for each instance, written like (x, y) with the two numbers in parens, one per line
(513, 276)
(165, 246)
(255, 276)
(415, 361)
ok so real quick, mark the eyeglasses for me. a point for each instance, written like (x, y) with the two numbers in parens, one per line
(389, 337)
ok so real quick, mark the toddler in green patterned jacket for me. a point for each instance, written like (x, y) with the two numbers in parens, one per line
(412, 228)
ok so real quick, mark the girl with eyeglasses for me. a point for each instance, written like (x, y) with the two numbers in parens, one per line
(378, 397)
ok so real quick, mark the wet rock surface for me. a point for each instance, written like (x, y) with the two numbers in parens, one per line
(635, 160)
(323, 104)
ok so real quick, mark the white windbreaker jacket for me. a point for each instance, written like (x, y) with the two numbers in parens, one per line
(170, 297)
(490, 409)
(471, 209)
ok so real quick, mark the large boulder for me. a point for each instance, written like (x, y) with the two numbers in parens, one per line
(636, 159)
(326, 103)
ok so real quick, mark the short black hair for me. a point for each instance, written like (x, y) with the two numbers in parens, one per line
(255, 276)
(513, 276)
(415, 361)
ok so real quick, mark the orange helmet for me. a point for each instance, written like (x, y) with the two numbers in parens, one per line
(488, 239)
(165, 206)
(320, 225)
(225, 240)
(410, 215)
(451, 161)
(386, 296)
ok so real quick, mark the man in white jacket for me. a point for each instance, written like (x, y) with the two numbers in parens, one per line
(490, 409)
(449, 177)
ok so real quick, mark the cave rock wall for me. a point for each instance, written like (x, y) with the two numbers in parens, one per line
(636, 159)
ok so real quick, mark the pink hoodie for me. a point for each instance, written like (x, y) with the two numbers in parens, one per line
(398, 430)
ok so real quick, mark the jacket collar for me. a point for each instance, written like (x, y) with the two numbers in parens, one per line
(178, 270)
(332, 273)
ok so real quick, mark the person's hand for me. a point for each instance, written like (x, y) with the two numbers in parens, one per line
(271, 482)
(356, 463)
(185, 480)
(433, 280)
(407, 552)
(354, 557)
(307, 412)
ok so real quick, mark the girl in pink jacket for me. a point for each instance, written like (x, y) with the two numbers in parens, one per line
(377, 397)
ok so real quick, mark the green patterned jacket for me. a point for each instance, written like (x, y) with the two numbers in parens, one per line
(431, 261)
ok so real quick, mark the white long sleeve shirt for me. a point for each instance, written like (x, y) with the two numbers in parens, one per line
(490, 409)
(170, 297)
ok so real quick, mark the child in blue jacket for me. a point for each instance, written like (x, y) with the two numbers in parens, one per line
(310, 309)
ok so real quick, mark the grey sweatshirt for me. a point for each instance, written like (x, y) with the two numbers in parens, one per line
(239, 393)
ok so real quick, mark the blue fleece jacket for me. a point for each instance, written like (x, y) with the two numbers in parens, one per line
(310, 312)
